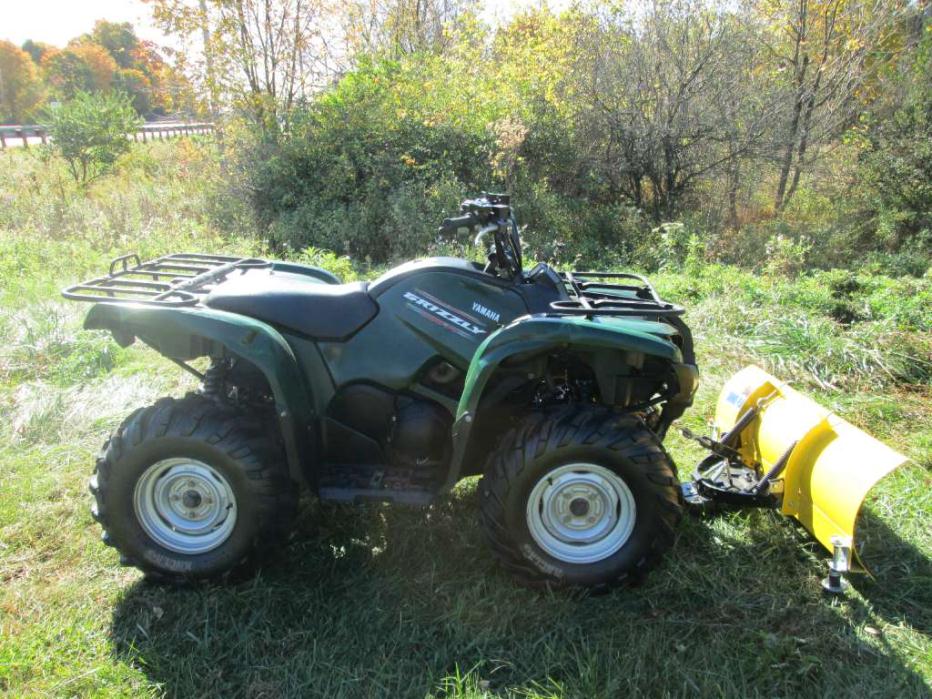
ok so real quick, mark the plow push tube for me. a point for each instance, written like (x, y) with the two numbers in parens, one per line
(828, 465)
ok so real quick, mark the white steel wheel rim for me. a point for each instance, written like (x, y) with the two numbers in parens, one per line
(581, 513)
(185, 505)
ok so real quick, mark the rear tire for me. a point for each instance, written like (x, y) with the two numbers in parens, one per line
(580, 497)
(191, 489)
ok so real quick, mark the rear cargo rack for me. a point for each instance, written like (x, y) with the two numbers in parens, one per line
(173, 280)
(591, 295)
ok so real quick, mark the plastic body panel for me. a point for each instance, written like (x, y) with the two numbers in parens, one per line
(539, 334)
(315, 273)
(424, 313)
(188, 333)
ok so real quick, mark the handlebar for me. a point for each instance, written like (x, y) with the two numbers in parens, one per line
(451, 225)
(491, 213)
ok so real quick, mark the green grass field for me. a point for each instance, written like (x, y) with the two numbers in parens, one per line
(391, 602)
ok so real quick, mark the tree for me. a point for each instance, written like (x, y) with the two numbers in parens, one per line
(20, 90)
(119, 39)
(91, 131)
(895, 169)
(140, 69)
(263, 55)
(399, 27)
(666, 100)
(66, 73)
(821, 53)
(161, 79)
(139, 88)
(37, 49)
(100, 63)
(82, 67)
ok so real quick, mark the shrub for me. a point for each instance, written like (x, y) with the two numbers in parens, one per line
(361, 173)
(90, 132)
(896, 177)
(786, 256)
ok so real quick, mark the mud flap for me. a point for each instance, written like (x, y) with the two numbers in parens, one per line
(831, 464)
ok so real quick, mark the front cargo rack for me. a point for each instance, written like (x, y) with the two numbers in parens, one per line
(591, 295)
(174, 280)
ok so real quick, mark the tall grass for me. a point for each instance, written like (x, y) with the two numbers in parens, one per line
(869, 332)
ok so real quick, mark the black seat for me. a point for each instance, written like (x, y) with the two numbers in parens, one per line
(296, 302)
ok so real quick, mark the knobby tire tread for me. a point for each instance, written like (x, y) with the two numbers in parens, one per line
(563, 428)
(241, 437)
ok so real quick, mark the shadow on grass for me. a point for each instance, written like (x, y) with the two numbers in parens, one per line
(900, 584)
(388, 602)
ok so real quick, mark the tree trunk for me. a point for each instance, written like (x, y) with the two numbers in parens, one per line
(734, 175)
(801, 30)
(209, 62)
(806, 127)
(800, 154)
(792, 137)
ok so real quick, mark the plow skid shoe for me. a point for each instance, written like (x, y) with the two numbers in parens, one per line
(831, 465)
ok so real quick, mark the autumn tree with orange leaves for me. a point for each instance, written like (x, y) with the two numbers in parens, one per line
(20, 88)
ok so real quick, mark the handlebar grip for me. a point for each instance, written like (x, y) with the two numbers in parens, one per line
(451, 225)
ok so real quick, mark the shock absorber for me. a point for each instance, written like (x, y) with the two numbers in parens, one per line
(214, 377)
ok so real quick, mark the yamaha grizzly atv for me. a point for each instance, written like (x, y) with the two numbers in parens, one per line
(556, 387)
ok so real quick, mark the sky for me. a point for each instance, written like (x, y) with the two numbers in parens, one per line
(56, 21)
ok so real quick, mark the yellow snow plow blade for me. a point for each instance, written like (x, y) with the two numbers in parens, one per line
(831, 465)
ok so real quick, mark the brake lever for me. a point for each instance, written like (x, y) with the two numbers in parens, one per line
(483, 232)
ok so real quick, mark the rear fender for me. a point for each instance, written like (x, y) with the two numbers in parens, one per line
(538, 335)
(187, 333)
(317, 273)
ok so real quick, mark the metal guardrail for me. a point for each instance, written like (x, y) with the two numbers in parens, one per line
(19, 135)
(8, 133)
(161, 131)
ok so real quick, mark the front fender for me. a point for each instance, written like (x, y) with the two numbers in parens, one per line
(538, 334)
(188, 333)
(544, 333)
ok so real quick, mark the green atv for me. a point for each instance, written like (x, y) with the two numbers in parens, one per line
(557, 388)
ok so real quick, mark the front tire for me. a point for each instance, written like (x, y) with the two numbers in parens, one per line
(580, 497)
(191, 489)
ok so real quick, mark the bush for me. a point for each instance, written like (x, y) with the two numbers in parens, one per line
(369, 166)
(342, 267)
(90, 132)
(786, 256)
(360, 175)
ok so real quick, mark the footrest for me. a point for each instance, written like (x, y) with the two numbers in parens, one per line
(356, 483)
(418, 498)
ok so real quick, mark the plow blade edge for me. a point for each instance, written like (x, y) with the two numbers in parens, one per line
(831, 465)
